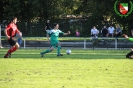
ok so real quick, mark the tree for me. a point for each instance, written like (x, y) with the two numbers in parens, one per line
(93, 12)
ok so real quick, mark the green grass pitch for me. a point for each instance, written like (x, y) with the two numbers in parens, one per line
(81, 69)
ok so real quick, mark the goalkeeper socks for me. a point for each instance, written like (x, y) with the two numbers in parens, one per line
(47, 51)
(58, 50)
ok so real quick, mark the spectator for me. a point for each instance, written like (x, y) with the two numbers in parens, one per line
(94, 32)
(104, 31)
(118, 31)
(77, 33)
(19, 39)
(111, 31)
(47, 27)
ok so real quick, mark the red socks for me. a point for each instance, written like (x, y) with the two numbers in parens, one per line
(12, 49)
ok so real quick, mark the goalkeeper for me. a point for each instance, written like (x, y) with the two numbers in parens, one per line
(130, 54)
(54, 35)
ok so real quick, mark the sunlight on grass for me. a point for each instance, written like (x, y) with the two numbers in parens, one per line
(86, 69)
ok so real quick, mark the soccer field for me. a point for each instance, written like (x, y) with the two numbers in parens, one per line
(81, 69)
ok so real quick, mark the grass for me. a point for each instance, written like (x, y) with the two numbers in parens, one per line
(81, 69)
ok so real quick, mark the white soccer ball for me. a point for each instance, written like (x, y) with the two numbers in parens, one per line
(68, 52)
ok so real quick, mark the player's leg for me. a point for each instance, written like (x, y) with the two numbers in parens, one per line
(131, 57)
(14, 47)
(58, 49)
(47, 51)
(129, 54)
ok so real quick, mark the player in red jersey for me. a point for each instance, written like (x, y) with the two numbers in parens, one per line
(10, 33)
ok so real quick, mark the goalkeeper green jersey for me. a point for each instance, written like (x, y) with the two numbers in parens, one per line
(130, 39)
(54, 35)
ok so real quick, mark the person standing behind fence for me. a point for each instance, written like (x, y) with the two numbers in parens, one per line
(0, 37)
(77, 33)
(47, 27)
(10, 33)
(104, 31)
(111, 31)
(94, 32)
(19, 39)
(118, 31)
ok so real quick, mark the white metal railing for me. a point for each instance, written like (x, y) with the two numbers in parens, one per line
(84, 40)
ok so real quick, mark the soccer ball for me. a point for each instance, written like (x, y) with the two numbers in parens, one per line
(68, 52)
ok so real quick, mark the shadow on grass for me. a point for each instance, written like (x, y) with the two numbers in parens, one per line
(76, 54)
(65, 56)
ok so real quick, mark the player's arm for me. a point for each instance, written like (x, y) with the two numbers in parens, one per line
(19, 32)
(67, 33)
(130, 39)
(47, 35)
(125, 36)
(7, 28)
(49, 32)
(7, 34)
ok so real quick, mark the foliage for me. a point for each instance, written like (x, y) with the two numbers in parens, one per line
(87, 12)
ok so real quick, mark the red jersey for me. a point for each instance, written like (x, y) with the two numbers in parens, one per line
(12, 30)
